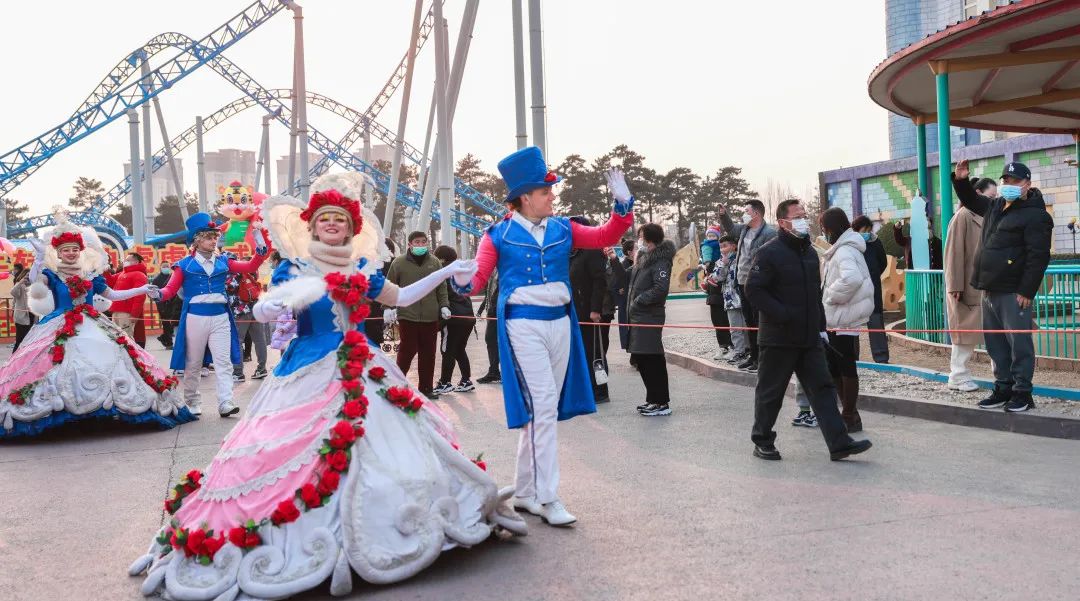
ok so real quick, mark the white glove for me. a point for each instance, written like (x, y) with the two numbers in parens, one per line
(389, 317)
(824, 337)
(38, 245)
(152, 291)
(445, 312)
(463, 271)
(260, 241)
(616, 183)
(268, 310)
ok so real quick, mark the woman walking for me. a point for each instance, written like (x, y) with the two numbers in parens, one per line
(848, 298)
(646, 297)
(455, 332)
(24, 319)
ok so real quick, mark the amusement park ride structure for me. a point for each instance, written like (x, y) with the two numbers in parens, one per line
(133, 83)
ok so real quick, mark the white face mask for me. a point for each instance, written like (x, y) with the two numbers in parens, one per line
(800, 226)
(641, 245)
(747, 218)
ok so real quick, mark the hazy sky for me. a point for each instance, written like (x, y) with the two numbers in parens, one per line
(776, 87)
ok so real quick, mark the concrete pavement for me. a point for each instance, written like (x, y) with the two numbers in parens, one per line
(671, 507)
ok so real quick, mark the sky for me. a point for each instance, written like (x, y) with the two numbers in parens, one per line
(775, 87)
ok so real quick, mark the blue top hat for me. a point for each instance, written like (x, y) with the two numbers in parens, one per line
(525, 171)
(197, 224)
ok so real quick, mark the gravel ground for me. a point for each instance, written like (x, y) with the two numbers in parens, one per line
(703, 344)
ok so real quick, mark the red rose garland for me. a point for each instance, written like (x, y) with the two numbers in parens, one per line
(20, 396)
(335, 454)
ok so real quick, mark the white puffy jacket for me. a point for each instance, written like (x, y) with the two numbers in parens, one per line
(848, 292)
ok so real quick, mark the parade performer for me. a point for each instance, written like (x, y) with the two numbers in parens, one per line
(205, 319)
(338, 465)
(545, 370)
(75, 363)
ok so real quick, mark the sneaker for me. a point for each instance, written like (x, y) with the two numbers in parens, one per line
(489, 379)
(1021, 401)
(555, 513)
(997, 399)
(195, 410)
(805, 419)
(259, 374)
(718, 357)
(239, 378)
(431, 394)
(767, 452)
(528, 504)
(749, 366)
(852, 448)
(465, 385)
(967, 386)
(443, 388)
(227, 408)
(738, 358)
(643, 407)
(205, 372)
(656, 410)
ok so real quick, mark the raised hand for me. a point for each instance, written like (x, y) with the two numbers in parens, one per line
(260, 241)
(616, 183)
(38, 245)
(463, 271)
(962, 170)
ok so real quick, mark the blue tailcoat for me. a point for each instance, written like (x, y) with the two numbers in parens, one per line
(196, 282)
(522, 262)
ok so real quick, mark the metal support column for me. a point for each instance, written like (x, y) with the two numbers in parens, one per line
(536, 58)
(1076, 141)
(403, 115)
(445, 155)
(148, 156)
(519, 76)
(178, 182)
(138, 209)
(266, 150)
(262, 160)
(300, 92)
(944, 154)
(200, 163)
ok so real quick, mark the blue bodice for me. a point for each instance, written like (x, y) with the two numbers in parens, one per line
(62, 294)
(318, 329)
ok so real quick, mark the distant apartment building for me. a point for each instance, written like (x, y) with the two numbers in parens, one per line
(227, 165)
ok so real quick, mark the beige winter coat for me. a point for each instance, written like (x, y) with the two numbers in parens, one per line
(965, 234)
(848, 292)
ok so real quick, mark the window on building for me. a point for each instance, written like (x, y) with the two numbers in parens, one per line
(971, 8)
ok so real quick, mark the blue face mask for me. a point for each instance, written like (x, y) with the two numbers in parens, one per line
(865, 236)
(419, 250)
(1009, 192)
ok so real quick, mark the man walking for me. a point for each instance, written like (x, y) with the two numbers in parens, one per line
(1009, 269)
(419, 322)
(168, 311)
(752, 234)
(785, 286)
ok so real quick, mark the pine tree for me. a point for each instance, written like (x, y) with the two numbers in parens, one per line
(87, 190)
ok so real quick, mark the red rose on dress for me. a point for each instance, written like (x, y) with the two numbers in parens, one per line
(359, 352)
(337, 460)
(57, 354)
(356, 317)
(92, 312)
(352, 409)
(310, 496)
(353, 337)
(329, 483)
(286, 512)
(212, 545)
(352, 370)
(121, 340)
(194, 476)
(377, 373)
(358, 429)
(170, 505)
(350, 385)
(334, 279)
(357, 280)
(416, 404)
(352, 298)
(480, 464)
(344, 431)
(363, 310)
(399, 395)
(252, 540)
(237, 536)
(194, 544)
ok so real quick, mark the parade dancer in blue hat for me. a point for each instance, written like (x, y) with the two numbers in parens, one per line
(545, 373)
(205, 319)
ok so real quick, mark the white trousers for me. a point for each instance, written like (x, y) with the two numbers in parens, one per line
(959, 372)
(542, 351)
(201, 331)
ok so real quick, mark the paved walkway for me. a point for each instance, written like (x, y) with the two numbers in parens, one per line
(669, 508)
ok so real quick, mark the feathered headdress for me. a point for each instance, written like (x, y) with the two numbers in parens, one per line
(93, 260)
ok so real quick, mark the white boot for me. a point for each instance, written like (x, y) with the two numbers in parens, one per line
(226, 408)
(556, 514)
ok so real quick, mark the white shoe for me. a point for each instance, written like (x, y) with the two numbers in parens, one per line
(555, 514)
(205, 373)
(195, 410)
(719, 356)
(968, 386)
(227, 408)
(528, 504)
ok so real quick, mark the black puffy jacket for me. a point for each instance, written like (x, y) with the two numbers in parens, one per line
(785, 287)
(1015, 248)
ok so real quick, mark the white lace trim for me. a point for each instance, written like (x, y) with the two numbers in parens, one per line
(327, 413)
(301, 459)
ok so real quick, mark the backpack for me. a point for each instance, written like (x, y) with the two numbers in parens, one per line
(248, 288)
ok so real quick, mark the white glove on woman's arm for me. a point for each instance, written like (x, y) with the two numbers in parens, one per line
(268, 310)
(389, 317)
(119, 295)
(39, 259)
(461, 270)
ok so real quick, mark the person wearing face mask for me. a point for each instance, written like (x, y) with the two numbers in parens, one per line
(785, 286)
(647, 297)
(963, 302)
(128, 312)
(753, 233)
(905, 243)
(418, 324)
(877, 261)
(455, 332)
(168, 311)
(848, 300)
(1009, 269)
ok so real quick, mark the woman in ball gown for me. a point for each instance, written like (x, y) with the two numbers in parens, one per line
(339, 465)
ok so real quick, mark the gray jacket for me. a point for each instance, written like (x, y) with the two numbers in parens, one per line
(22, 305)
(646, 297)
(768, 232)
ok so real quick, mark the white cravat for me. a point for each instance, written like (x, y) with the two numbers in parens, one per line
(551, 294)
(208, 267)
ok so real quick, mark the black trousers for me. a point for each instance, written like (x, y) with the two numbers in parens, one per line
(775, 367)
(653, 370)
(751, 316)
(456, 337)
(842, 357)
(719, 320)
(595, 340)
(491, 339)
(20, 332)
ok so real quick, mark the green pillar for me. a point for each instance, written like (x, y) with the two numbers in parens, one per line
(920, 150)
(944, 154)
